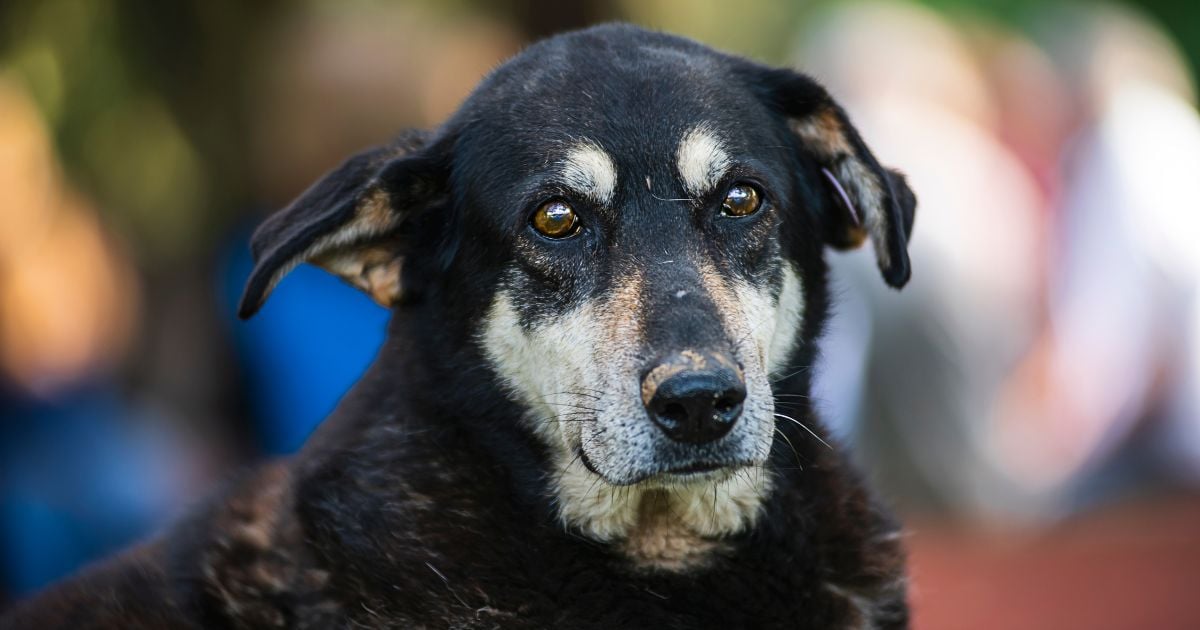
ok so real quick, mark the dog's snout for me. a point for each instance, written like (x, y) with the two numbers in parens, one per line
(694, 397)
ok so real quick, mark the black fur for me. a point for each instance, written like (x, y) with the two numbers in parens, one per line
(423, 501)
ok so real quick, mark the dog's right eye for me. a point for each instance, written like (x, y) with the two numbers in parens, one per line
(555, 219)
(742, 200)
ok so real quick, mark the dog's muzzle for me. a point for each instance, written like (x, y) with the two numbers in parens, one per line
(694, 397)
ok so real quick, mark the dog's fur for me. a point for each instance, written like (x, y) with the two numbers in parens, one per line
(496, 466)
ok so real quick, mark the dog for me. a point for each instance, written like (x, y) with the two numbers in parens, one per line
(607, 279)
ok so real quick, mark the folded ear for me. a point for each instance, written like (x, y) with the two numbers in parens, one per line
(350, 222)
(872, 201)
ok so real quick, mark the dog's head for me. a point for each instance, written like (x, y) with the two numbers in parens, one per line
(633, 224)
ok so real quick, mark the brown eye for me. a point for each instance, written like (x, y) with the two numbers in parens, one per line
(555, 219)
(741, 200)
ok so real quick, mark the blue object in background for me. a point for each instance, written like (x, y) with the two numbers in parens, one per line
(308, 345)
(78, 480)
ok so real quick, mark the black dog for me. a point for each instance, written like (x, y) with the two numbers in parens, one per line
(606, 274)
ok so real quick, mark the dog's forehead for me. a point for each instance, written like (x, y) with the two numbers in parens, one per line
(604, 67)
(609, 107)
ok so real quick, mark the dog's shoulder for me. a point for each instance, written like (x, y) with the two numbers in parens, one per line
(241, 553)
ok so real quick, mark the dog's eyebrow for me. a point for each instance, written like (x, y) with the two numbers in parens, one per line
(701, 160)
(589, 171)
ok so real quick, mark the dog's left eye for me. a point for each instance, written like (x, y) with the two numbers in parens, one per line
(555, 219)
(742, 200)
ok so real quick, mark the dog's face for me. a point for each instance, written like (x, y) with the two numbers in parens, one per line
(644, 292)
(629, 218)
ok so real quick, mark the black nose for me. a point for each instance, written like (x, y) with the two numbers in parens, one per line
(694, 398)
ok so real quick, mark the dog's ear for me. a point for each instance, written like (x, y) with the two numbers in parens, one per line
(870, 199)
(351, 222)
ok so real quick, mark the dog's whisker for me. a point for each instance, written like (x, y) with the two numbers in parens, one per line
(572, 393)
(805, 427)
(569, 418)
(795, 453)
(671, 198)
(572, 406)
(787, 376)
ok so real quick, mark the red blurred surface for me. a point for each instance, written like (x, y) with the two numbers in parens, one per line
(1132, 566)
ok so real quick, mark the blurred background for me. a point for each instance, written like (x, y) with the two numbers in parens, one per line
(1031, 402)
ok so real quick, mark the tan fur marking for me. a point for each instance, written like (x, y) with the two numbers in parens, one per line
(373, 269)
(621, 314)
(694, 359)
(725, 361)
(824, 134)
(661, 541)
(688, 360)
(856, 236)
(375, 212)
(383, 282)
(657, 376)
(683, 362)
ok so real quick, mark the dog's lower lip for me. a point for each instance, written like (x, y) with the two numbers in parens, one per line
(696, 468)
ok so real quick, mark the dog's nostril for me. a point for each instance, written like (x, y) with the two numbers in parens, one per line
(674, 413)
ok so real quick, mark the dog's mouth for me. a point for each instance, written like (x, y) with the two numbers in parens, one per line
(695, 469)
(700, 470)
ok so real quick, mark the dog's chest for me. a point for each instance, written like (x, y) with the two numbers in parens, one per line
(543, 580)
(725, 597)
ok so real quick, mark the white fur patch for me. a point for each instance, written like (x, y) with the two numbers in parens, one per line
(789, 316)
(711, 507)
(701, 161)
(771, 325)
(544, 367)
(590, 172)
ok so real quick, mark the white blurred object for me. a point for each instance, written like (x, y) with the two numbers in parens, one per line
(1124, 296)
(1120, 351)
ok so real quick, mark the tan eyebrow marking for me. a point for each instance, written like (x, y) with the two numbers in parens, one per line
(590, 172)
(701, 160)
